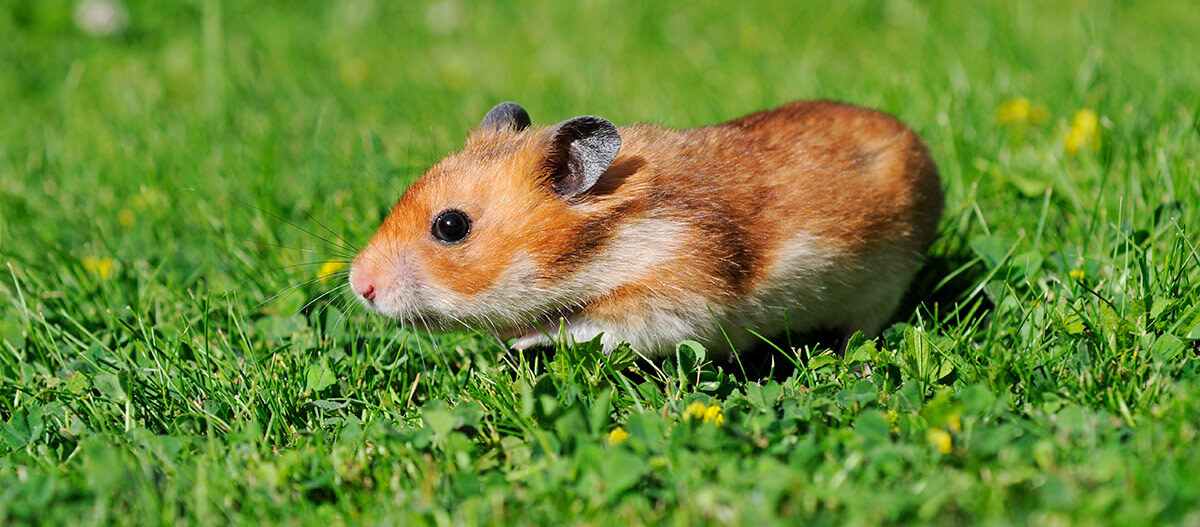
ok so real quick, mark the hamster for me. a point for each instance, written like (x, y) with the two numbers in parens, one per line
(814, 215)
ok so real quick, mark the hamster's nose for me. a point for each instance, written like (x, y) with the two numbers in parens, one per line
(361, 284)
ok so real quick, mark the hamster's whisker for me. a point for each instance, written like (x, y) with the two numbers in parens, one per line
(289, 289)
(457, 320)
(346, 257)
(404, 324)
(330, 231)
(286, 267)
(428, 333)
(346, 301)
(464, 324)
(302, 229)
(322, 295)
(336, 301)
(320, 310)
(306, 264)
(390, 183)
(491, 324)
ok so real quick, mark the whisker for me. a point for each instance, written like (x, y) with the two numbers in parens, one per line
(305, 264)
(289, 289)
(322, 295)
(428, 333)
(340, 302)
(292, 266)
(330, 231)
(407, 157)
(302, 229)
(347, 256)
(344, 308)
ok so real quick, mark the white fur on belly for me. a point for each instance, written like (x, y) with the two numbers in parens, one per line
(812, 284)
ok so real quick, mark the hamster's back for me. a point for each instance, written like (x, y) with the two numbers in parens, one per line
(852, 173)
(819, 208)
(841, 171)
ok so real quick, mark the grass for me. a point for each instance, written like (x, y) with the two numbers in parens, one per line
(169, 193)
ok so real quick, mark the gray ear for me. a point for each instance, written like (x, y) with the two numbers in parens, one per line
(506, 115)
(582, 149)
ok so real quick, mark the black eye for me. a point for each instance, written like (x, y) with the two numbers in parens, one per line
(451, 226)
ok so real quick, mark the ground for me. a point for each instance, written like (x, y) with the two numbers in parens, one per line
(176, 178)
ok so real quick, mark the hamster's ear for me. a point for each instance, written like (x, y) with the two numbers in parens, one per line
(506, 116)
(580, 151)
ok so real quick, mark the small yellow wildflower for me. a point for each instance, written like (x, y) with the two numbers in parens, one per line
(696, 410)
(330, 268)
(954, 423)
(617, 436)
(101, 267)
(714, 415)
(705, 413)
(1077, 274)
(1020, 111)
(1084, 133)
(125, 218)
(939, 439)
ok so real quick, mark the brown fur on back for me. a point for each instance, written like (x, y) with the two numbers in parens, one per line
(746, 184)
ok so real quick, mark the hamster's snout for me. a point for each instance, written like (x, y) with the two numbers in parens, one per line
(384, 282)
(369, 293)
(362, 284)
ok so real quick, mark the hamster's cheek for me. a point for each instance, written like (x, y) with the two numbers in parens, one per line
(463, 270)
(510, 294)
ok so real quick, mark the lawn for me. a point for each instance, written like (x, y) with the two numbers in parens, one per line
(175, 197)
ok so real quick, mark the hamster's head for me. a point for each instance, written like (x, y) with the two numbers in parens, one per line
(487, 238)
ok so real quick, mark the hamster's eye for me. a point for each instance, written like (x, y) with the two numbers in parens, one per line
(451, 226)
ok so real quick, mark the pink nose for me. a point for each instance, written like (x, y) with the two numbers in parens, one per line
(361, 284)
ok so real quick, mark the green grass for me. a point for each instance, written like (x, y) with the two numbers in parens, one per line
(1045, 370)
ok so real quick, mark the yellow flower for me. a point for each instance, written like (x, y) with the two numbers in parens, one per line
(1084, 133)
(330, 268)
(1077, 274)
(1020, 111)
(939, 439)
(714, 415)
(101, 267)
(125, 218)
(705, 413)
(696, 410)
(954, 423)
(617, 436)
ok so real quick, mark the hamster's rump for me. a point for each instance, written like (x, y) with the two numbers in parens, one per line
(811, 215)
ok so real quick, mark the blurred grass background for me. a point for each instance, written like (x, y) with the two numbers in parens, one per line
(150, 171)
(299, 106)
